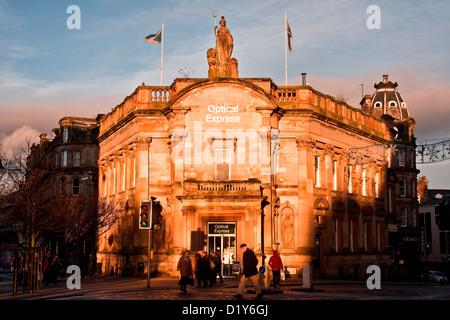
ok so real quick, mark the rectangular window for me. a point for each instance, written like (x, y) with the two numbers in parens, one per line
(403, 217)
(401, 157)
(351, 236)
(335, 175)
(379, 236)
(123, 175)
(364, 182)
(77, 158)
(105, 185)
(64, 158)
(75, 186)
(134, 172)
(66, 134)
(113, 180)
(317, 182)
(377, 184)
(336, 234)
(222, 163)
(350, 182)
(402, 184)
(366, 236)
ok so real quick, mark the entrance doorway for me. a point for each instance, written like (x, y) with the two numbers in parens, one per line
(222, 239)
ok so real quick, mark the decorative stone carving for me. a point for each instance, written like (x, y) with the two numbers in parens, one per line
(287, 228)
(221, 65)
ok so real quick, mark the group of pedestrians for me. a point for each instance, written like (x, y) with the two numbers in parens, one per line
(208, 267)
(51, 269)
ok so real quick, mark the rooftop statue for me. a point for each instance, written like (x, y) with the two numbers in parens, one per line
(221, 65)
(224, 42)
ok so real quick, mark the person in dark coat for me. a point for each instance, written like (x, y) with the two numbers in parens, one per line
(204, 269)
(215, 260)
(185, 268)
(198, 261)
(47, 268)
(55, 269)
(249, 271)
(219, 266)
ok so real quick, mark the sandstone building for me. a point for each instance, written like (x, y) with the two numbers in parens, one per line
(234, 160)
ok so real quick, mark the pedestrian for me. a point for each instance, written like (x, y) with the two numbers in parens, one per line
(214, 263)
(55, 269)
(219, 266)
(276, 265)
(204, 269)
(185, 268)
(198, 261)
(47, 268)
(249, 271)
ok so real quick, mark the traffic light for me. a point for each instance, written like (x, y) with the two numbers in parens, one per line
(156, 214)
(145, 215)
(427, 250)
(443, 215)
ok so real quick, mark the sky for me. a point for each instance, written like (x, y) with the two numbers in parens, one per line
(48, 70)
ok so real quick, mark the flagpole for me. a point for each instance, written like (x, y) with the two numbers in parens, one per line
(162, 51)
(285, 45)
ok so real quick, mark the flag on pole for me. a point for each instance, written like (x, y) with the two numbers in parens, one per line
(154, 38)
(289, 35)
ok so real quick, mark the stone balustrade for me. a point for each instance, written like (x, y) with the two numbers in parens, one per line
(222, 188)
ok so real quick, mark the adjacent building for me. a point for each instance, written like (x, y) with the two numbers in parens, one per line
(71, 157)
(434, 214)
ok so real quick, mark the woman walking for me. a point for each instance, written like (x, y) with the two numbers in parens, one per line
(185, 268)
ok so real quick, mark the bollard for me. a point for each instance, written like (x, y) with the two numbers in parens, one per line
(307, 277)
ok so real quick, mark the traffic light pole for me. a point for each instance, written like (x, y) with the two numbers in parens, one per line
(149, 244)
(148, 256)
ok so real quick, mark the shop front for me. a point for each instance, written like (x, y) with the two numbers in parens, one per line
(222, 241)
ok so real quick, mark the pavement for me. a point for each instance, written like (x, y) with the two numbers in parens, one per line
(121, 288)
(110, 297)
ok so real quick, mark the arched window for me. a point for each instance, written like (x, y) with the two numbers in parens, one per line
(377, 104)
(392, 104)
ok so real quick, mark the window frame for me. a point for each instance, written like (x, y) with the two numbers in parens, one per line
(216, 162)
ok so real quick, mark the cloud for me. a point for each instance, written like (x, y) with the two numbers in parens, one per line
(19, 141)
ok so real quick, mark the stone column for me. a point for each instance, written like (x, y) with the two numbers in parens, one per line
(177, 135)
(305, 200)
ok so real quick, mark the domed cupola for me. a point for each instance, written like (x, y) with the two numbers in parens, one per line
(387, 100)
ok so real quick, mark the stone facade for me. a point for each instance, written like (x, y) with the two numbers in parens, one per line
(242, 160)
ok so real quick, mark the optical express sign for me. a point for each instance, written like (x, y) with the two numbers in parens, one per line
(222, 114)
(222, 228)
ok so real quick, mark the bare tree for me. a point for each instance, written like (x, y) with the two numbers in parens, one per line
(186, 72)
(28, 202)
(342, 98)
(87, 217)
